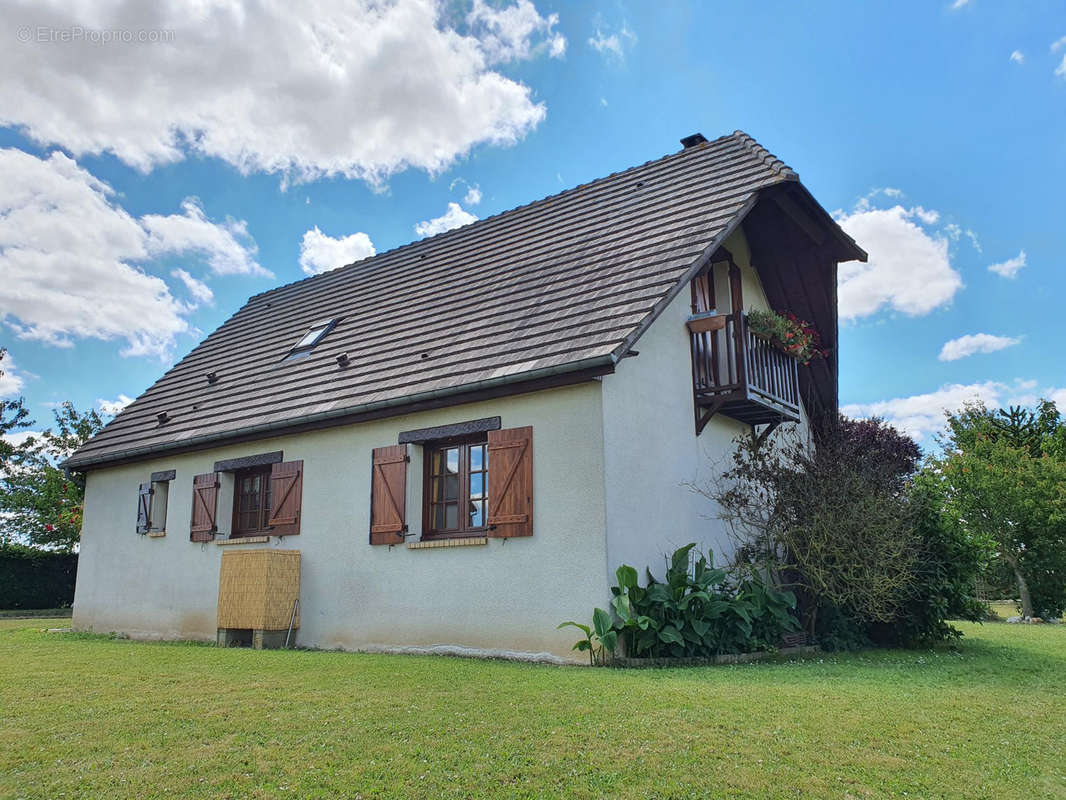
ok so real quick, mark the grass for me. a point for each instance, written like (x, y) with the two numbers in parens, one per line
(87, 716)
(1005, 609)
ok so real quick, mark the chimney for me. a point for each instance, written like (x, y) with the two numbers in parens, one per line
(693, 140)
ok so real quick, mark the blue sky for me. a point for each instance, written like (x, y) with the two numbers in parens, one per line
(150, 187)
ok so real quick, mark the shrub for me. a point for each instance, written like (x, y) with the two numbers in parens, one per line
(700, 611)
(866, 543)
(600, 639)
(32, 578)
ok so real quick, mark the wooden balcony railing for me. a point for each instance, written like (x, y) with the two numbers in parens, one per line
(739, 374)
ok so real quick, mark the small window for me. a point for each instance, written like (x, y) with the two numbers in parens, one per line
(251, 502)
(456, 488)
(308, 341)
(160, 494)
(152, 503)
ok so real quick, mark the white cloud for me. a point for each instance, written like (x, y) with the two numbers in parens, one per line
(613, 44)
(320, 253)
(72, 258)
(227, 248)
(1058, 44)
(18, 437)
(200, 291)
(11, 382)
(112, 407)
(454, 217)
(974, 343)
(1060, 70)
(508, 33)
(959, 4)
(909, 269)
(1009, 268)
(1017, 57)
(356, 88)
(923, 414)
(473, 196)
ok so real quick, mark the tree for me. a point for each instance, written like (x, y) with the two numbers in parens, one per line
(831, 516)
(13, 417)
(1003, 474)
(41, 503)
(869, 549)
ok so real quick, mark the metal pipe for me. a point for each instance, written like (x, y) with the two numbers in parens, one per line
(292, 620)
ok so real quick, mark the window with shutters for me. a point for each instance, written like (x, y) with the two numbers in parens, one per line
(267, 499)
(152, 504)
(252, 498)
(456, 488)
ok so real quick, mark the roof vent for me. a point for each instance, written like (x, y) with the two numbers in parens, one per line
(342, 360)
(693, 140)
(163, 417)
(212, 377)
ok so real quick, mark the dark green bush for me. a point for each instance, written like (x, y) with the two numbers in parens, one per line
(32, 578)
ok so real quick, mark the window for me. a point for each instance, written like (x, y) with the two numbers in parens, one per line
(251, 502)
(313, 336)
(152, 503)
(158, 518)
(457, 482)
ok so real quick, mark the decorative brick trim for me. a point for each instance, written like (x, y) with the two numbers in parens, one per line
(466, 541)
(243, 540)
(156, 534)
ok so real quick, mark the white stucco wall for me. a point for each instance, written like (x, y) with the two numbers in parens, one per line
(506, 596)
(652, 455)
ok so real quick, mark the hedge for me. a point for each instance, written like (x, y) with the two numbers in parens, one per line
(31, 578)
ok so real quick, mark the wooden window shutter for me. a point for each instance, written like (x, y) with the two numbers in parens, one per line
(286, 488)
(144, 508)
(511, 482)
(204, 507)
(388, 495)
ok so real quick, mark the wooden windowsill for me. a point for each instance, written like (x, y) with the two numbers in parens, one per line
(156, 534)
(465, 541)
(242, 540)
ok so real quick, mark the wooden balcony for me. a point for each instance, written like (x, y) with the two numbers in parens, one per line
(739, 374)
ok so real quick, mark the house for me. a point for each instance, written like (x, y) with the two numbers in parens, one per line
(455, 443)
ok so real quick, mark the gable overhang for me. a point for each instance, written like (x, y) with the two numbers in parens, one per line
(801, 280)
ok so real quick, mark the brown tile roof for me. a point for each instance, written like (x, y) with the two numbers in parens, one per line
(565, 283)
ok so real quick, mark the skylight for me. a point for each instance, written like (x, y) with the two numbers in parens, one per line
(313, 336)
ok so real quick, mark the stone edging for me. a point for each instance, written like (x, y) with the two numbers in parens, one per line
(725, 658)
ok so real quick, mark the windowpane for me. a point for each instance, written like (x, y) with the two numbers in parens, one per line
(477, 456)
(310, 337)
(477, 484)
(477, 514)
(452, 516)
(453, 460)
(439, 522)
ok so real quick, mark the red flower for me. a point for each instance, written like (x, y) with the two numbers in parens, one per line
(49, 528)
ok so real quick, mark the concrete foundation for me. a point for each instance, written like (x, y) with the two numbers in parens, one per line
(257, 639)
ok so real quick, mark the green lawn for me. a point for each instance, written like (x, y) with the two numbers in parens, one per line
(85, 716)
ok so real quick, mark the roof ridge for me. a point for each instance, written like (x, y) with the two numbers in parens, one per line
(451, 231)
(774, 163)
